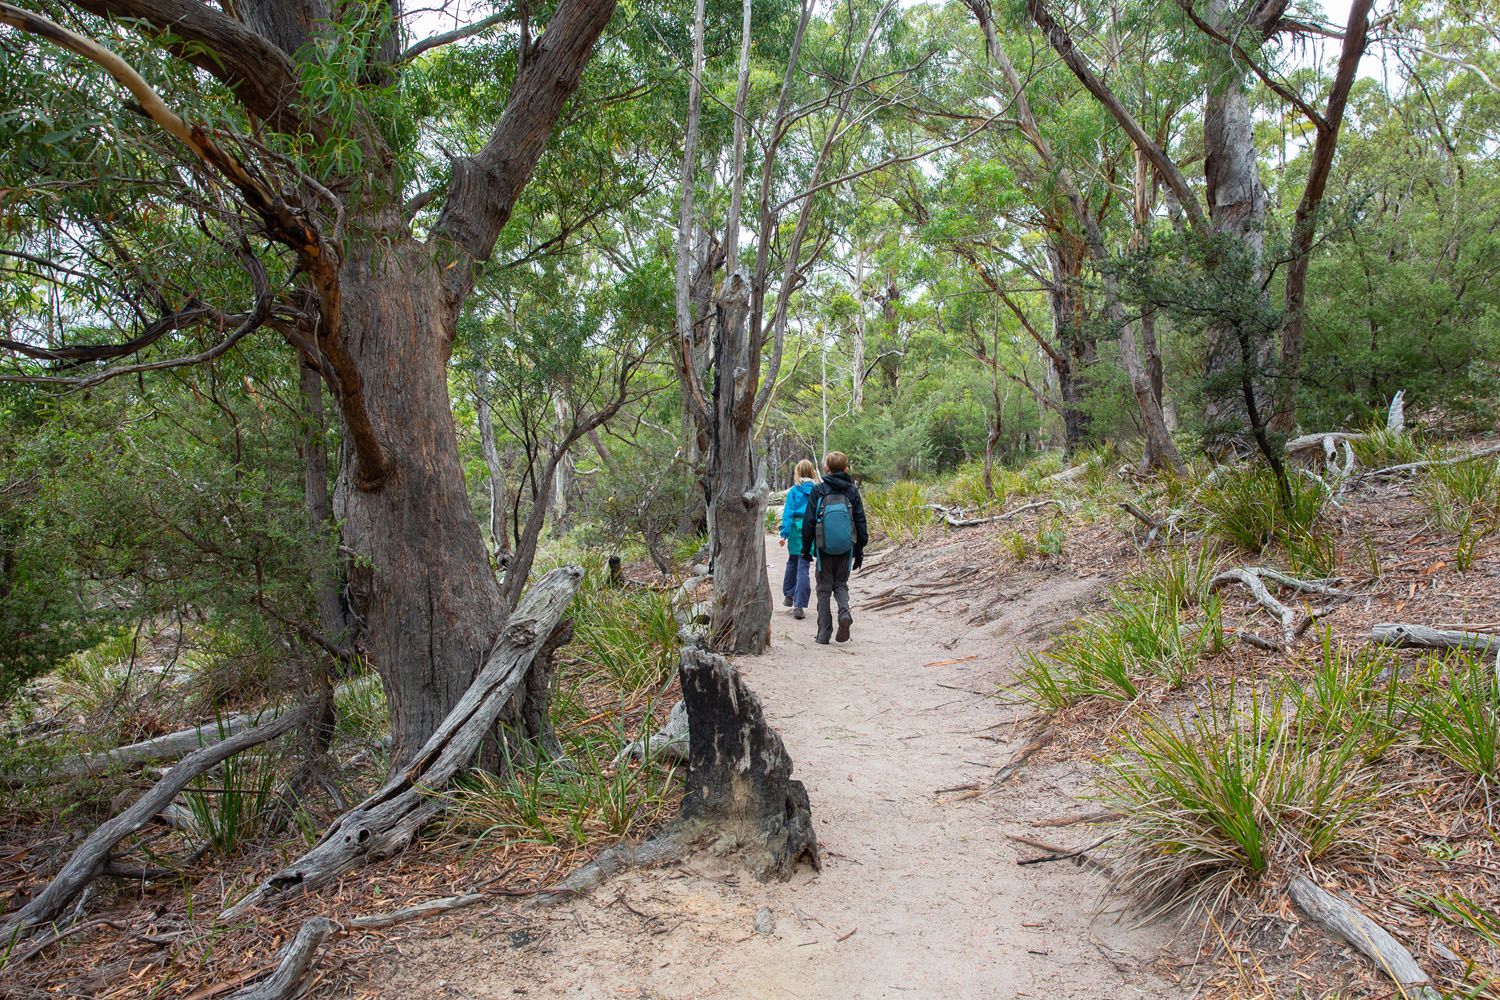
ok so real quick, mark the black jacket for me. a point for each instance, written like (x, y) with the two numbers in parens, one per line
(835, 482)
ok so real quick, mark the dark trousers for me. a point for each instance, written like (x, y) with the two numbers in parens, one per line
(794, 582)
(833, 580)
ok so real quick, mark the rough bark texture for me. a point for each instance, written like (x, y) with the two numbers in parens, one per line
(1424, 637)
(423, 581)
(742, 597)
(386, 822)
(739, 775)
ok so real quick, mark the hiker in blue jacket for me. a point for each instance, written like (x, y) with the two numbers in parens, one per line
(795, 588)
(834, 526)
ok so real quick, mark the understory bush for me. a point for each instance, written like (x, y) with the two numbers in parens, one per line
(1455, 702)
(898, 510)
(628, 634)
(1245, 509)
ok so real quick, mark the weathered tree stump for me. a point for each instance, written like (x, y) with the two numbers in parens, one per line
(740, 786)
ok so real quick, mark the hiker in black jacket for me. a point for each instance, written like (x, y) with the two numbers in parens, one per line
(834, 567)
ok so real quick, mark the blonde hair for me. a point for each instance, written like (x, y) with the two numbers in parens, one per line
(836, 461)
(806, 470)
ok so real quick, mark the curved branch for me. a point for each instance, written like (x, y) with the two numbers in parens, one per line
(449, 37)
(79, 353)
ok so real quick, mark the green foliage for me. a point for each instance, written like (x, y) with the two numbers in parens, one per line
(629, 634)
(1244, 508)
(232, 806)
(1456, 703)
(897, 510)
(1354, 693)
(1148, 630)
(1211, 803)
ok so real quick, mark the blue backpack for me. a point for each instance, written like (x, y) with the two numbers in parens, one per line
(834, 529)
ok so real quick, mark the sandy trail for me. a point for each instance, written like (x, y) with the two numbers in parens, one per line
(920, 894)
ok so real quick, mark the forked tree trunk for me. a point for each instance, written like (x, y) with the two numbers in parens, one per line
(423, 579)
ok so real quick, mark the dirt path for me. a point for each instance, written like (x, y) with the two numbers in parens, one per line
(920, 894)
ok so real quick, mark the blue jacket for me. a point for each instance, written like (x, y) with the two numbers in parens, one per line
(796, 506)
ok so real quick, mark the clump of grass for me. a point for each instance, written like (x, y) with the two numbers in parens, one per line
(1353, 692)
(1456, 704)
(630, 635)
(1146, 632)
(1017, 546)
(233, 806)
(1463, 499)
(1211, 804)
(1380, 447)
(897, 509)
(360, 708)
(568, 803)
(1181, 574)
(1245, 509)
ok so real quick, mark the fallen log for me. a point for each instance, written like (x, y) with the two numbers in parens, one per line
(89, 860)
(1346, 922)
(386, 822)
(1253, 579)
(292, 965)
(172, 746)
(1411, 636)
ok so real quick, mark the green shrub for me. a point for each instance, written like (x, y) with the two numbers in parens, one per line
(1244, 508)
(1463, 498)
(1214, 802)
(1380, 447)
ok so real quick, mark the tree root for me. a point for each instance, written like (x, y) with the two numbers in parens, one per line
(386, 822)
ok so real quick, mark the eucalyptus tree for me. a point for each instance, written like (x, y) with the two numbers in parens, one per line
(1232, 42)
(800, 137)
(291, 135)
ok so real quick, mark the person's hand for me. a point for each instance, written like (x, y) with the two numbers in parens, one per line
(859, 560)
(781, 543)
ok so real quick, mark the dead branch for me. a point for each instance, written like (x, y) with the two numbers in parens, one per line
(431, 907)
(1250, 579)
(93, 854)
(1346, 922)
(293, 964)
(954, 516)
(1059, 853)
(386, 822)
(1018, 760)
(1395, 470)
(1411, 636)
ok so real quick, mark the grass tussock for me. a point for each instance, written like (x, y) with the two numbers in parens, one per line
(1215, 802)
(1159, 624)
(1455, 703)
(1244, 509)
(897, 510)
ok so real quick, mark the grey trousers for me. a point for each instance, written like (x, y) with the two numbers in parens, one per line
(833, 580)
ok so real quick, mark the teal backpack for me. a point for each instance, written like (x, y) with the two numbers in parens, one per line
(834, 530)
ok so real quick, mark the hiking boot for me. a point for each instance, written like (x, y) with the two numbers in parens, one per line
(845, 620)
(799, 614)
(786, 601)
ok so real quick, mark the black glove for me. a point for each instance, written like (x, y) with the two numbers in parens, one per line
(807, 554)
(859, 560)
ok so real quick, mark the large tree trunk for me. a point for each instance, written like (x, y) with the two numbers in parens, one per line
(1065, 257)
(742, 597)
(422, 577)
(1237, 210)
